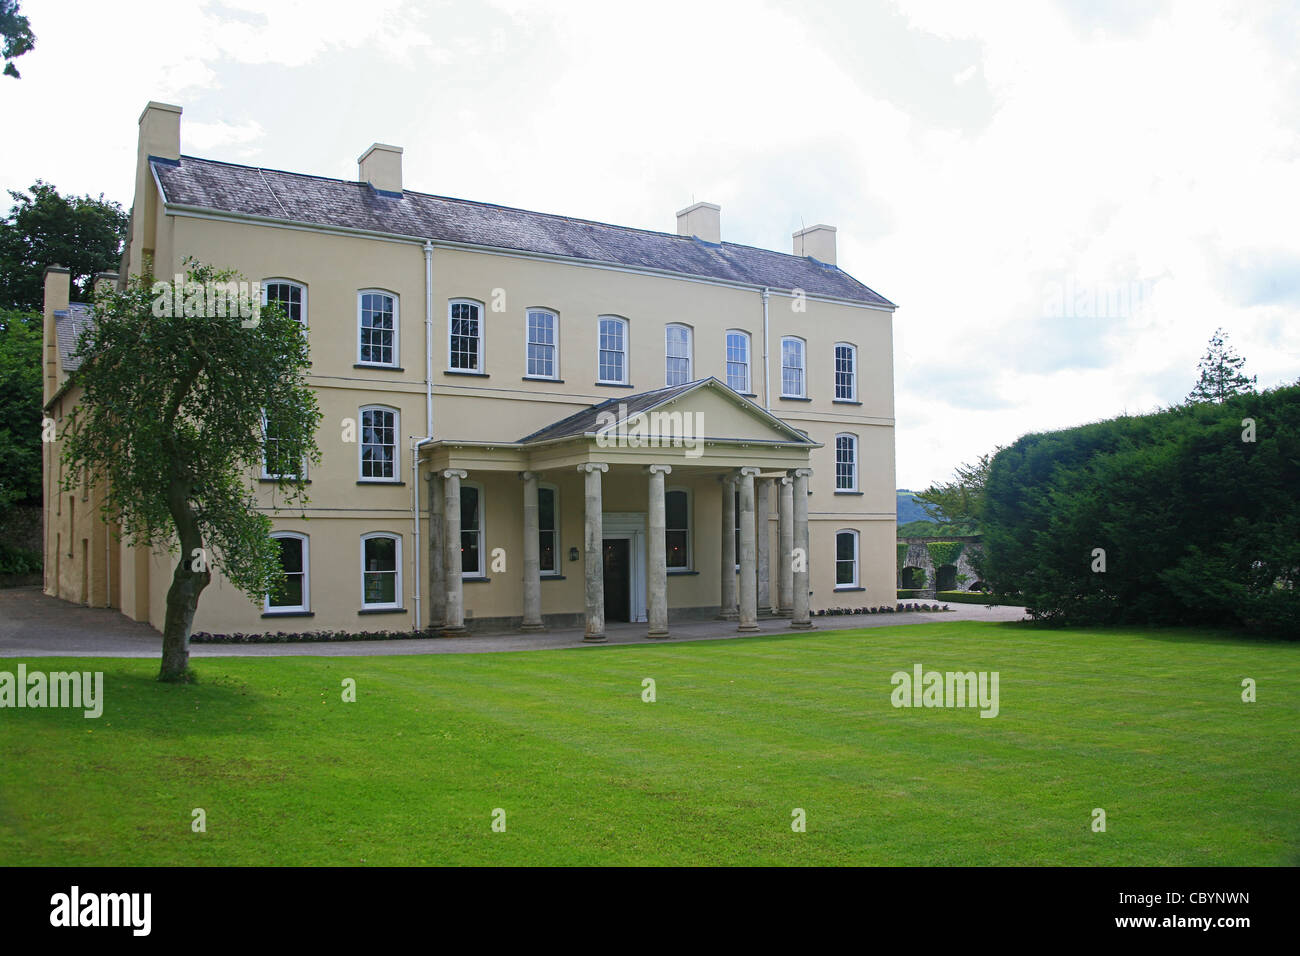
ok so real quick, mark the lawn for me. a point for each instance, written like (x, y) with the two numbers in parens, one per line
(1149, 726)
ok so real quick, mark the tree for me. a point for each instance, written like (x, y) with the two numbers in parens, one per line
(42, 229)
(170, 424)
(17, 34)
(20, 410)
(957, 503)
(1221, 375)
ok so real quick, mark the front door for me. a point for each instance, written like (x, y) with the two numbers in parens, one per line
(618, 579)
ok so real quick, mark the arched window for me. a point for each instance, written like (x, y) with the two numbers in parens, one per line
(548, 528)
(846, 462)
(677, 354)
(293, 591)
(738, 360)
(677, 525)
(381, 570)
(377, 328)
(846, 559)
(792, 368)
(289, 295)
(612, 351)
(465, 335)
(846, 372)
(543, 359)
(380, 456)
(471, 530)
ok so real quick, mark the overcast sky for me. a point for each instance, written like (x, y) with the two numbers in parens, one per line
(1064, 198)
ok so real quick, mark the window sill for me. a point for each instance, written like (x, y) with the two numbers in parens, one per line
(681, 572)
(542, 378)
(551, 577)
(382, 610)
(850, 492)
(845, 401)
(846, 588)
(378, 367)
(748, 394)
(275, 481)
(381, 481)
(464, 371)
(612, 385)
(475, 579)
(266, 614)
(794, 398)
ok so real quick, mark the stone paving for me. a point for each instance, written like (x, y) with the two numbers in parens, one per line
(35, 625)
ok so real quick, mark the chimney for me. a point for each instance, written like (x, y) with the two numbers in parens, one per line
(58, 290)
(703, 220)
(160, 131)
(105, 279)
(381, 167)
(816, 242)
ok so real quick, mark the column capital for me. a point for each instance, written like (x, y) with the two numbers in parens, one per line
(455, 473)
(728, 479)
(749, 471)
(785, 480)
(527, 475)
(659, 469)
(590, 466)
(800, 472)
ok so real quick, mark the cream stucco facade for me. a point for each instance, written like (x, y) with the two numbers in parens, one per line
(463, 426)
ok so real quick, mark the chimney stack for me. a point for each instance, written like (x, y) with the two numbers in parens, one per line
(702, 220)
(381, 167)
(816, 242)
(160, 131)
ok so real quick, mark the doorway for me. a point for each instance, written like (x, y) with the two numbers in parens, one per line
(618, 579)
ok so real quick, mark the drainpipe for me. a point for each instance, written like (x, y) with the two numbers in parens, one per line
(428, 428)
(767, 389)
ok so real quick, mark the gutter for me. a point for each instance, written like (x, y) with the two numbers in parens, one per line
(416, 443)
(767, 385)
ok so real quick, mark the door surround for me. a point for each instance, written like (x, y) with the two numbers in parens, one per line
(631, 526)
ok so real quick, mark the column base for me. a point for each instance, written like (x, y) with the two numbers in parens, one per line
(454, 631)
(594, 638)
(658, 635)
(748, 627)
(802, 625)
(532, 628)
(729, 616)
(785, 612)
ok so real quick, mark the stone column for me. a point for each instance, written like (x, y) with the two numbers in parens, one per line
(454, 586)
(748, 558)
(801, 618)
(594, 559)
(532, 556)
(437, 568)
(785, 544)
(727, 603)
(762, 541)
(657, 573)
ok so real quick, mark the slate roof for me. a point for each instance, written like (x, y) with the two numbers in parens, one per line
(588, 419)
(69, 324)
(317, 200)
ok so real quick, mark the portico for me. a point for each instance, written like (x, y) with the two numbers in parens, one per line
(655, 498)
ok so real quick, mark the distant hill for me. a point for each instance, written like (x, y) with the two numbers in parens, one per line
(908, 508)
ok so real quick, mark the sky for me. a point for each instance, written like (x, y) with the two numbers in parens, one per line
(1064, 198)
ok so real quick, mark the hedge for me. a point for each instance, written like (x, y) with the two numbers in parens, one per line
(976, 597)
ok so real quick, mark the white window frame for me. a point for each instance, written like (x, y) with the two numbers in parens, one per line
(802, 366)
(481, 355)
(301, 473)
(854, 445)
(554, 346)
(482, 531)
(748, 363)
(305, 606)
(625, 352)
(301, 287)
(397, 327)
(398, 594)
(690, 352)
(857, 543)
(397, 444)
(853, 372)
(555, 491)
(690, 529)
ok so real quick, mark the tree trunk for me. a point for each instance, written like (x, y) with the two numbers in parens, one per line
(187, 584)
